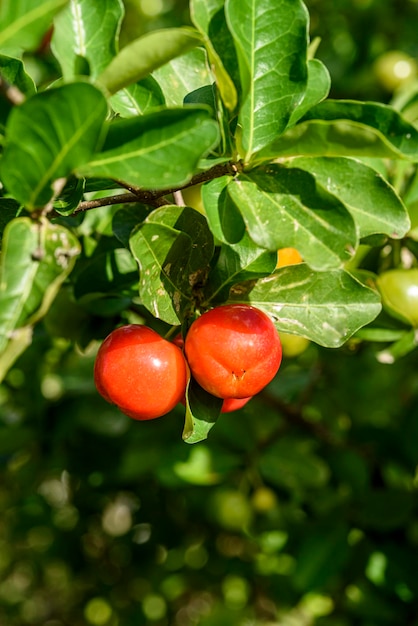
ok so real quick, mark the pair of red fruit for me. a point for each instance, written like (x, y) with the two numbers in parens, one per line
(232, 351)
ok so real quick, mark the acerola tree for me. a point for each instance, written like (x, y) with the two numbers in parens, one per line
(279, 163)
(148, 186)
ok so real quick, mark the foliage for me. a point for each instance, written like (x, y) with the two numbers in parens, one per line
(293, 507)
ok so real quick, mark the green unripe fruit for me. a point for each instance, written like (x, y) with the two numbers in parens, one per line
(399, 291)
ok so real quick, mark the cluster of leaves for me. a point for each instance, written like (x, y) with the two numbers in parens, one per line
(94, 162)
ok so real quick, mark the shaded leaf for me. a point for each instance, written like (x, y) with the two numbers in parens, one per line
(13, 72)
(209, 18)
(291, 464)
(286, 208)
(23, 24)
(223, 215)
(47, 137)
(271, 39)
(385, 509)
(112, 271)
(317, 89)
(326, 307)
(77, 35)
(372, 202)
(156, 151)
(237, 263)
(144, 55)
(8, 210)
(321, 555)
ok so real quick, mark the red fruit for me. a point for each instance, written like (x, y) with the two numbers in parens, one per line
(140, 372)
(233, 351)
(233, 404)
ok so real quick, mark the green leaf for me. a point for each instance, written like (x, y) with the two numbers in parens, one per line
(346, 128)
(202, 411)
(385, 509)
(326, 307)
(109, 272)
(138, 99)
(183, 75)
(271, 41)
(156, 151)
(126, 219)
(223, 215)
(36, 258)
(87, 30)
(209, 18)
(20, 339)
(319, 83)
(47, 137)
(285, 207)
(372, 202)
(144, 55)
(321, 555)
(235, 264)
(13, 71)
(289, 463)
(172, 246)
(8, 210)
(24, 23)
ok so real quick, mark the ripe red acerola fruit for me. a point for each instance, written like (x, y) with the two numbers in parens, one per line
(139, 371)
(233, 351)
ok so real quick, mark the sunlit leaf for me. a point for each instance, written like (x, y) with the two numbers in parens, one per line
(372, 202)
(183, 75)
(138, 99)
(24, 23)
(86, 30)
(345, 128)
(35, 259)
(270, 37)
(326, 307)
(144, 55)
(285, 208)
(157, 150)
(48, 136)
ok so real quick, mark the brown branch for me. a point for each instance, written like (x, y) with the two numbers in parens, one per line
(157, 198)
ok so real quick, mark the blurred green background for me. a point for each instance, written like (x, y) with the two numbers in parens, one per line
(299, 510)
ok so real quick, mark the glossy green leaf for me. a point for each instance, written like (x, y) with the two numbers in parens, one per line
(87, 30)
(170, 260)
(144, 55)
(271, 41)
(202, 411)
(137, 99)
(326, 307)
(35, 259)
(209, 18)
(24, 23)
(317, 89)
(223, 215)
(47, 137)
(235, 264)
(372, 202)
(183, 75)
(345, 128)
(284, 207)
(157, 150)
